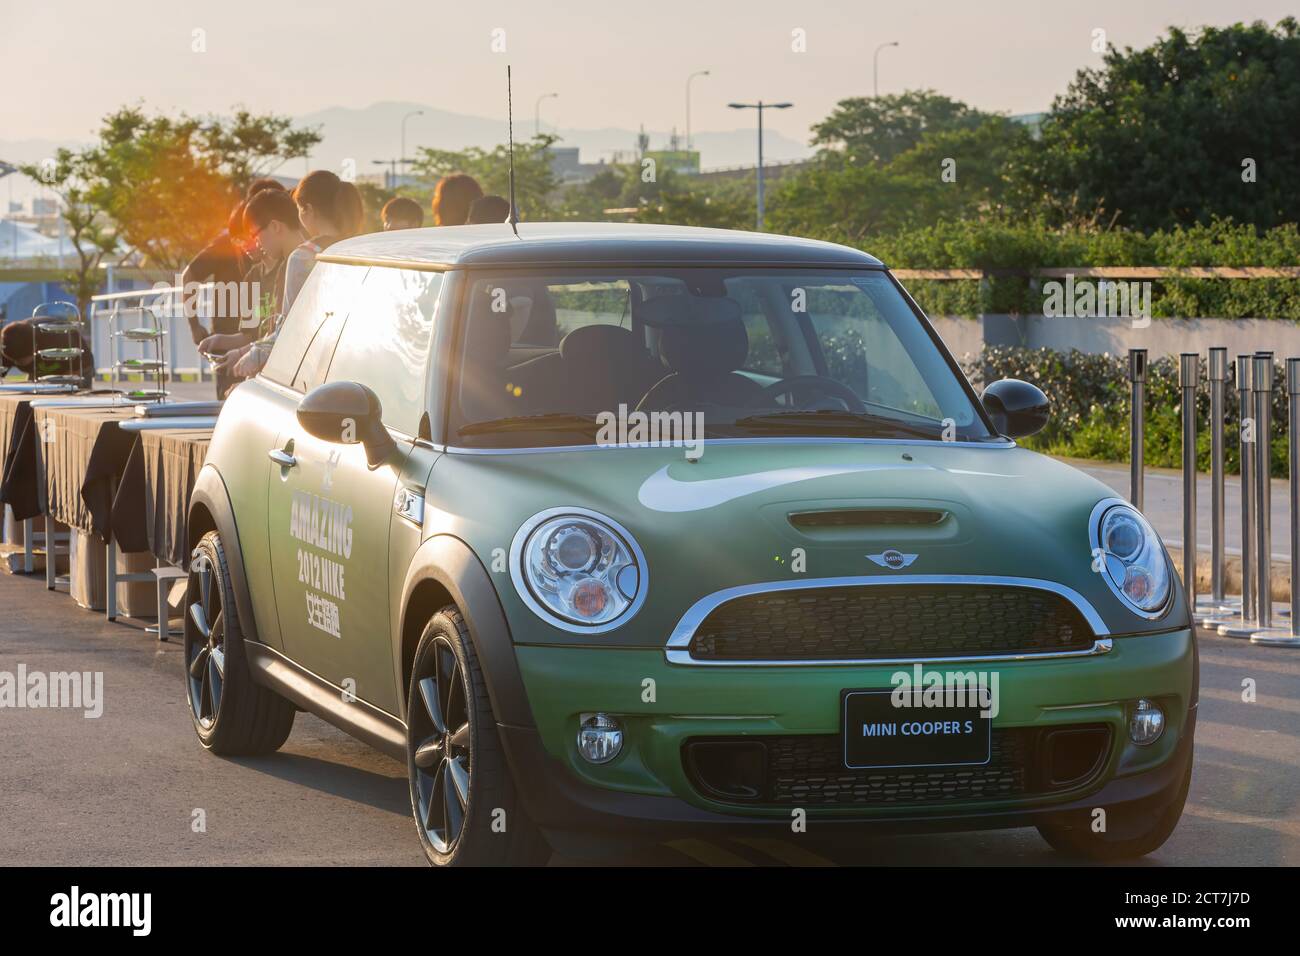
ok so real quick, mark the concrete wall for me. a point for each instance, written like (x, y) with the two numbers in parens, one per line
(1117, 335)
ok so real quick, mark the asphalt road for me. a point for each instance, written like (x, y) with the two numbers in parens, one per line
(1163, 491)
(127, 787)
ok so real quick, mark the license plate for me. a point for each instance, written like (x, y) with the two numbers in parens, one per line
(877, 734)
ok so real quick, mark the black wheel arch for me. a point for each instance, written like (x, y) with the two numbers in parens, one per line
(210, 510)
(445, 570)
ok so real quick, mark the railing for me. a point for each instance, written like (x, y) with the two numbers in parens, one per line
(160, 305)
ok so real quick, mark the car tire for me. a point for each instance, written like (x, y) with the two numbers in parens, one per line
(232, 715)
(463, 797)
(1134, 834)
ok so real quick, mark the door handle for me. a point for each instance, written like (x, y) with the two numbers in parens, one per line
(282, 458)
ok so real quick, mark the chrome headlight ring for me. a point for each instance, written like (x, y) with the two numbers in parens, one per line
(571, 563)
(1129, 555)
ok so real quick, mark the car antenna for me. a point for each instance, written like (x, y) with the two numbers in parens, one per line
(510, 128)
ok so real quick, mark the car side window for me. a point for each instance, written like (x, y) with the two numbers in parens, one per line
(327, 295)
(385, 342)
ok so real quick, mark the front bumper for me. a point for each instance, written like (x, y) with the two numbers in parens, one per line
(646, 794)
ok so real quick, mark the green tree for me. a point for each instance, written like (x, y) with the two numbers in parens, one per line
(155, 179)
(874, 130)
(93, 240)
(950, 173)
(1161, 136)
(535, 182)
(248, 145)
(687, 201)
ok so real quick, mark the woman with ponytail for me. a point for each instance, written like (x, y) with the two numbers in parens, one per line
(329, 209)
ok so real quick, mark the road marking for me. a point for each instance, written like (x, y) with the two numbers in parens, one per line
(1251, 665)
(1235, 739)
(1289, 828)
(787, 853)
(707, 853)
(1285, 705)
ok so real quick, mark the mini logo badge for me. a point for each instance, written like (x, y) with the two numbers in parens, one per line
(893, 559)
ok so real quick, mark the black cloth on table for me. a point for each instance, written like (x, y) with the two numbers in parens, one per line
(18, 484)
(81, 464)
(151, 510)
(128, 517)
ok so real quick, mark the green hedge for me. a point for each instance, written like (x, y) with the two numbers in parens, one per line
(1090, 406)
(993, 245)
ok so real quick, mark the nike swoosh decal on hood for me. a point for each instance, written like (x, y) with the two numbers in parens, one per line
(662, 492)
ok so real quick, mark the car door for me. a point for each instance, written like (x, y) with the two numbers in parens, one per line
(330, 554)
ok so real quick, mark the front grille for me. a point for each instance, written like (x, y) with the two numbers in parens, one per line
(890, 621)
(809, 771)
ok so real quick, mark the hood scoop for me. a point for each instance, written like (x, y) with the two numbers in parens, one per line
(864, 518)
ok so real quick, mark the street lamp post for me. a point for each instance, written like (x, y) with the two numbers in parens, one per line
(688, 103)
(760, 106)
(875, 67)
(537, 112)
(404, 119)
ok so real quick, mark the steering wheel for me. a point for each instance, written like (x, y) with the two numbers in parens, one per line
(827, 386)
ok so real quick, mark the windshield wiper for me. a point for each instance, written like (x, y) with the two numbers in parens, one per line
(832, 420)
(551, 421)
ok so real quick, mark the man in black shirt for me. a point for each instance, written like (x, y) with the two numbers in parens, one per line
(271, 223)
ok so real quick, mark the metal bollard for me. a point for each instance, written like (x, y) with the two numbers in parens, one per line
(1189, 373)
(1212, 606)
(1243, 623)
(1263, 387)
(1137, 375)
(1288, 636)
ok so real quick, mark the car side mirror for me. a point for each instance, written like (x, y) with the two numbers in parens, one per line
(347, 413)
(1017, 408)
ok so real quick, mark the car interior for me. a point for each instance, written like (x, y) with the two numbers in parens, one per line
(671, 348)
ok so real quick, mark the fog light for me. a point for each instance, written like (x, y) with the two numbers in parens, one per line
(1147, 723)
(600, 738)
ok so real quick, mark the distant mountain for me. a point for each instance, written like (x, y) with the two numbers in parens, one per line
(374, 133)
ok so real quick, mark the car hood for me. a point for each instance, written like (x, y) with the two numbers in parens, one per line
(752, 512)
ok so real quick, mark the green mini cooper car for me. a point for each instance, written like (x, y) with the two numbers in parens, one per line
(622, 533)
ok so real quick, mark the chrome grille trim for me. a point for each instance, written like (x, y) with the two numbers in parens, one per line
(677, 650)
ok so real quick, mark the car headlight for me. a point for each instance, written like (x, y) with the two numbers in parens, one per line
(579, 570)
(1128, 554)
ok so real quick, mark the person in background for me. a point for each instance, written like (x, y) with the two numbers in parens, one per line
(271, 222)
(402, 213)
(224, 260)
(452, 198)
(21, 339)
(329, 209)
(488, 209)
(263, 182)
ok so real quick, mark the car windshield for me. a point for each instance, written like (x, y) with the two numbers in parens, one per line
(559, 358)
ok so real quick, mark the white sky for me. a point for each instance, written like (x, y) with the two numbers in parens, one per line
(65, 63)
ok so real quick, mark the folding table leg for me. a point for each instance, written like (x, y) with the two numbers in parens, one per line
(164, 612)
(29, 562)
(110, 599)
(51, 554)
